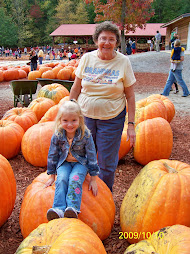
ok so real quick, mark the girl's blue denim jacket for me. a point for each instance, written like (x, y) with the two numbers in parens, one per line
(82, 149)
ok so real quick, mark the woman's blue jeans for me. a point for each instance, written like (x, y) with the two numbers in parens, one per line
(175, 76)
(33, 66)
(107, 139)
(68, 185)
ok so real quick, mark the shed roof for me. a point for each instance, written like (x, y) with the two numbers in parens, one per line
(186, 15)
(88, 30)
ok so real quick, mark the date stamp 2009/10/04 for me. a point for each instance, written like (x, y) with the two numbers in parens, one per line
(139, 235)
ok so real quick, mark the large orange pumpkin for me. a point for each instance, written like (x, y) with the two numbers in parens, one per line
(170, 240)
(25, 117)
(8, 190)
(64, 74)
(54, 91)
(22, 74)
(170, 108)
(158, 197)
(51, 114)
(11, 74)
(124, 145)
(33, 75)
(97, 212)
(66, 236)
(36, 142)
(149, 108)
(40, 106)
(48, 74)
(11, 135)
(154, 140)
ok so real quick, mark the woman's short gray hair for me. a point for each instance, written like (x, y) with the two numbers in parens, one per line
(107, 26)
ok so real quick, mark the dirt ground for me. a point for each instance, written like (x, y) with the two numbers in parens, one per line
(128, 168)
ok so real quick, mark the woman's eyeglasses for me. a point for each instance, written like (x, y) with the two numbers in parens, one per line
(104, 40)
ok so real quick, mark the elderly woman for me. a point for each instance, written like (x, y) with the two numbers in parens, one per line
(104, 80)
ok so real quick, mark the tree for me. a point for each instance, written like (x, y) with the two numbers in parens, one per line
(8, 31)
(127, 14)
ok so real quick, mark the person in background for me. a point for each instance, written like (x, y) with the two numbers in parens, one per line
(69, 55)
(173, 38)
(176, 76)
(53, 54)
(103, 83)
(33, 60)
(133, 46)
(40, 55)
(16, 53)
(71, 156)
(128, 48)
(158, 40)
(25, 50)
(48, 56)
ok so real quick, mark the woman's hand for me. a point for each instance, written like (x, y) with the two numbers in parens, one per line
(50, 181)
(131, 134)
(93, 185)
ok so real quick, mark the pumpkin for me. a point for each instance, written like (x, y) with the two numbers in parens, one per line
(170, 240)
(54, 91)
(158, 197)
(1, 76)
(8, 190)
(25, 117)
(97, 212)
(26, 69)
(66, 98)
(11, 74)
(170, 108)
(51, 114)
(48, 74)
(36, 142)
(11, 135)
(154, 140)
(62, 236)
(149, 108)
(56, 70)
(22, 74)
(33, 75)
(124, 145)
(40, 106)
(44, 69)
(64, 74)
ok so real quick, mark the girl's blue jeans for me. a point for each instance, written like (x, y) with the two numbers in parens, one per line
(68, 185)
(33, 66)
(107, 139)
(173, 77)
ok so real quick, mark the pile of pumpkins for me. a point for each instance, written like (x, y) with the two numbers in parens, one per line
(58, 70)
(154, 201)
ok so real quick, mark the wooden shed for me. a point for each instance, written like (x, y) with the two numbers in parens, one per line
(181, 26)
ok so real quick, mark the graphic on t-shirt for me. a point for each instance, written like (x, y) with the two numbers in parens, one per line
(100, 75)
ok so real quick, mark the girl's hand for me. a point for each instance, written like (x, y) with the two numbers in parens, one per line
(50, 181)
(93, 185)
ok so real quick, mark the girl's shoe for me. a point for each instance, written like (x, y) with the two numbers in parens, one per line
(54, 213)
(70, 213)
(177, 91)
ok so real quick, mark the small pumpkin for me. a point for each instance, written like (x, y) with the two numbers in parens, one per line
(1, 76)
(154, 140)
(64, 74)
(170, 240)
(48, 74)
(97, 212)
(56, 70)
(40, 106)
(36, 142)
(51, 114)
(54, 92)
(124, 145)
(33, 75)
(8, 190)
(22, 74)
(44, 69)
(25, 117)
(62, 236)
(158, 197)
(11, 135)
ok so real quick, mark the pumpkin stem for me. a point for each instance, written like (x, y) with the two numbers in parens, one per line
(170, 169)
(41, 249)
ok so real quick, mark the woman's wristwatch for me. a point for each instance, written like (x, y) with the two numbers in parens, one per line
(133, 123)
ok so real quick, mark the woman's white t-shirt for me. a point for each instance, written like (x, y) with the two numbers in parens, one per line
(103, 81)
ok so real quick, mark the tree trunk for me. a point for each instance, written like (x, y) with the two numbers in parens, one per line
(123, 13)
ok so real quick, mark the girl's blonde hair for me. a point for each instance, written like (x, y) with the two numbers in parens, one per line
(70, 107)
(177, 43)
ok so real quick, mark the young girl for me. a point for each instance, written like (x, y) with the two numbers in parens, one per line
(71, 156)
